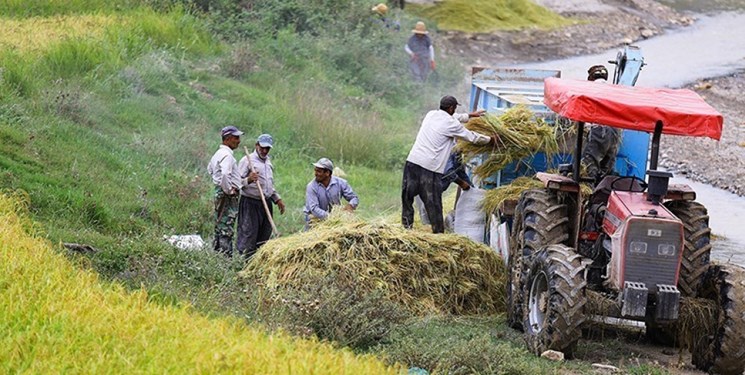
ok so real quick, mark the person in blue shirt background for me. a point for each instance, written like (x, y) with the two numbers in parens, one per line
(326, 191)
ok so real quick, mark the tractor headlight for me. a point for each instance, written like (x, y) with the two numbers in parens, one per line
(666, 249)
(638, 247)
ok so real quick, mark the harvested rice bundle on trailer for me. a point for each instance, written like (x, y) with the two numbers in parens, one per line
(519, 133)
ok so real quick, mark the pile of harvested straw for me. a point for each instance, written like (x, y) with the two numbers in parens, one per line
(423, 272)
(519, 134)
(494, 197)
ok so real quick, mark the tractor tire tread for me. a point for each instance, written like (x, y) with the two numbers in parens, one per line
(566, 301)
(697, 246)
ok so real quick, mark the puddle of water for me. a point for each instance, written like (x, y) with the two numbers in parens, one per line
(711, 47)
(726, 219)
(704, 6)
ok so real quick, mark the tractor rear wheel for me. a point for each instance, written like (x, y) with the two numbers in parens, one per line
(555, 294)
(540, 220)
(697, 250)
(722, 351)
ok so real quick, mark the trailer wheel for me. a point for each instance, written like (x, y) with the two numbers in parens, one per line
(722, 351)
(556, 299)
(540, 220)
(697, 249)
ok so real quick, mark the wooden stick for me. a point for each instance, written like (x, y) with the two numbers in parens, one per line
(261, 192)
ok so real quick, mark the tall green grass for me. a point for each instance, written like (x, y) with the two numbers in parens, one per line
(488, 15)
(22, 8)
(75, 46)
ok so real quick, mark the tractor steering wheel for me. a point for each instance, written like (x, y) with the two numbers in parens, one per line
(632, 183)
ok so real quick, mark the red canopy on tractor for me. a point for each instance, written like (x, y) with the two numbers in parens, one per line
(682, 112)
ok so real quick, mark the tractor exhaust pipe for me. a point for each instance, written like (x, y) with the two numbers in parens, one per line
(658, 180)
(657, 186)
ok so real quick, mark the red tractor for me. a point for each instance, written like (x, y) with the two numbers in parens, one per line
(643, 246)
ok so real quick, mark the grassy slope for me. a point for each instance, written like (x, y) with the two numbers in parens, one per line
(58, 318)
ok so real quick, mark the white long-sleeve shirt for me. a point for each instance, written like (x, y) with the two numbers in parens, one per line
(437, 137)
(224, 170)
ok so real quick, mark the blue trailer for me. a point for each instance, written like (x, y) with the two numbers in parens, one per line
(498, 89)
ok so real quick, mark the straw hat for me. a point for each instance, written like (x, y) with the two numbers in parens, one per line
(420, 28)
(381, 9)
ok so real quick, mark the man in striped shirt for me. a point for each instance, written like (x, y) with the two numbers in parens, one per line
(254, 227)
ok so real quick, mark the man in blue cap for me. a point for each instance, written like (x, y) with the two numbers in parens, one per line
(224, 171)
(254, 227)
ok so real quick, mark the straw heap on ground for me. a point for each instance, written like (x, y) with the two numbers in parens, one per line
(423, 272)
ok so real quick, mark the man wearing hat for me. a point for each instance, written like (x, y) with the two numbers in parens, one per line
(428, 158)
(254, 227)
(599, 153)
(380, 16)
(225, 176)
(325, 191)
(421, 52)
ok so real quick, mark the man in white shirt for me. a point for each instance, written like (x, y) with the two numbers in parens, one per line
(428, 158)
(224, 171)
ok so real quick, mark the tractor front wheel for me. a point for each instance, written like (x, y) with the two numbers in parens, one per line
(721, 351)
(697, 247)
(555, 293)
(540, 220)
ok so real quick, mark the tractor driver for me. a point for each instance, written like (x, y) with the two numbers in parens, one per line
(599, 153)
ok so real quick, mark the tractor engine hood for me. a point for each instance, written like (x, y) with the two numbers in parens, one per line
(646, 242)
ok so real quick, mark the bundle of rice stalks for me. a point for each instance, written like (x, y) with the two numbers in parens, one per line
(494, 197)
(697, 319)
(423, 272)
(519, 134)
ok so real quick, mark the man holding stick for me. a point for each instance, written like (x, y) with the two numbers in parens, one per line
(255, 222)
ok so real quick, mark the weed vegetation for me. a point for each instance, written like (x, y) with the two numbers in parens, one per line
(109, 113)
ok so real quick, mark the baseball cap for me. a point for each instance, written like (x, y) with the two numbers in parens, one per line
(325, 164)
(448, 101)
(230, 130)
(265, 140)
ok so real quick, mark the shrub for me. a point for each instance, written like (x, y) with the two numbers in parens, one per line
(335, 311)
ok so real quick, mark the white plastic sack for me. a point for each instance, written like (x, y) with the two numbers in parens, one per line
(469, 218)
(186, 241)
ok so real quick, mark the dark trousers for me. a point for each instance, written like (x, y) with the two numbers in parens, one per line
(254, 228)
(428, 186)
